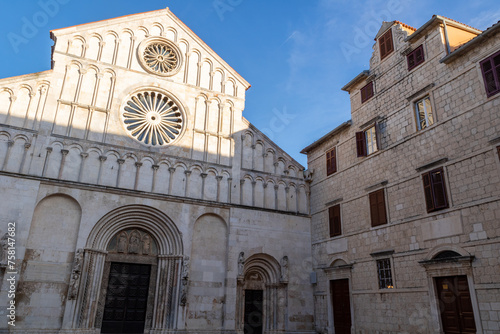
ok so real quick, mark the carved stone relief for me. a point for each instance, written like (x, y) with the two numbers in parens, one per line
(133, 241)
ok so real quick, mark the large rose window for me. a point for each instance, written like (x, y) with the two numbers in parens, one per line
(160, 56)
(153, 118)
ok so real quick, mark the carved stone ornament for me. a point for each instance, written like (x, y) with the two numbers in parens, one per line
(153, 118)
(284, 269)
(160, 56)
(132, 241)
(74, 282)
(241, 264)
(308, 175)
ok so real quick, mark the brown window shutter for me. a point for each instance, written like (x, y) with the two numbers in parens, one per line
(361, 143)
(439, 189)
(334, 220)
(331, 162)
(367, 92)
(377, 208)
(429, 201)
(386, 45)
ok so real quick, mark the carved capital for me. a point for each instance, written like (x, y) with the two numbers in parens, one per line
(218, 177)
(84, 155)
(276, 164)
(27, 145)
(138, 164)
(203, 175)
(49, 149)
(187, 172)
(276, 187)
(121, 161)
(171, 169)
(64, 152)
(103, 158)
(155, 167)
(265, 185)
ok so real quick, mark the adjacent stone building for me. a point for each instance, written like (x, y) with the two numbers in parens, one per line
(142, 200)
(405, 197)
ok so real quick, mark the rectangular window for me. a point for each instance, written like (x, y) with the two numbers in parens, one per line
(415, 58)
(423, 111)
(377, 208)
(367, 92)
(491, 74)
(334, 220)
(435, 190)
(331, 162)
(385, 44)
(384, 274)
(366, 141)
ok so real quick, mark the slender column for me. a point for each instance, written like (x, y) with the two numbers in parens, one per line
(253, 192)
(171, 170)
(10, 143)
(186, 71)
(49, 150)
(102, 158)
(242, 182)
(219, 178)
(155, 171)
(276, 167)
(253, 156)
(188, 173)
(230, 189)
(287, 190)
(203, 178)
(308, 195)
(119, 174)
(26, 149)
(276, 196)
(265, 194)
(63, 160)
(138, 166)
(80, 173)
(198, 75)
(296, 199)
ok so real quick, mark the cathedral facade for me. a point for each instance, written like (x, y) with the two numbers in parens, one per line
(140, 198)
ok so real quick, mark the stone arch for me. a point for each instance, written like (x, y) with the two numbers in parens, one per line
(208, 269)
(263, 272)
(171, 34)
(53, 234)
(157, 29)
(445, 248)
(230, 87)
(165, 278)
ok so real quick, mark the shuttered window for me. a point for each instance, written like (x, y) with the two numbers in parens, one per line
(385, 44)
(331, 161)
(334, 220)
(367, 92)
(415, 58)
(435, 190)
(377, 208)
(384, 274)
(491, 74)
(366, 141)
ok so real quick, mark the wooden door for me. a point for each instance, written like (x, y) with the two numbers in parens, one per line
(253, 311)
(341, 306)
(126, 298)
(455, 305)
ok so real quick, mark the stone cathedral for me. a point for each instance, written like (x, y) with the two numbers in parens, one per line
(142, 200)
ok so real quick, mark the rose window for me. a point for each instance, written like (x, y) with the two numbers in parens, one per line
(160, 58)
(152, 118)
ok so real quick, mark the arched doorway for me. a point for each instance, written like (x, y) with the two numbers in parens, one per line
(262, 295)
(136, 251)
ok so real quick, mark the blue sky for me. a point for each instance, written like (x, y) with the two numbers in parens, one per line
(297, 54)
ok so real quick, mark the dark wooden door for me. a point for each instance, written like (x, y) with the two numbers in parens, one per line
(253, 311)
(455, 305)
(126, 298)
(341, 306)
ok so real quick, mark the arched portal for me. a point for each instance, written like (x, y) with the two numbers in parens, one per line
(262, 294)
(133, 247)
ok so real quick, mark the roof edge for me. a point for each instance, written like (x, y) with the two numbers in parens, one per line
(356, 79)
(448, 58)
(327, 136)
(448, 21)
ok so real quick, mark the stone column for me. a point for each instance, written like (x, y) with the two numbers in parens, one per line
(49, 150)
(287, 190)
(276, 187)
(219, 178)
(119, 173)
(186, 191)
(242, 182)
(63, 160)
(102, 158)
(155, 171)
(203, 178)
(26, 149)
(229, 189)
(138, 166)
(171, 170)
(253, 192)
(80, 172)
